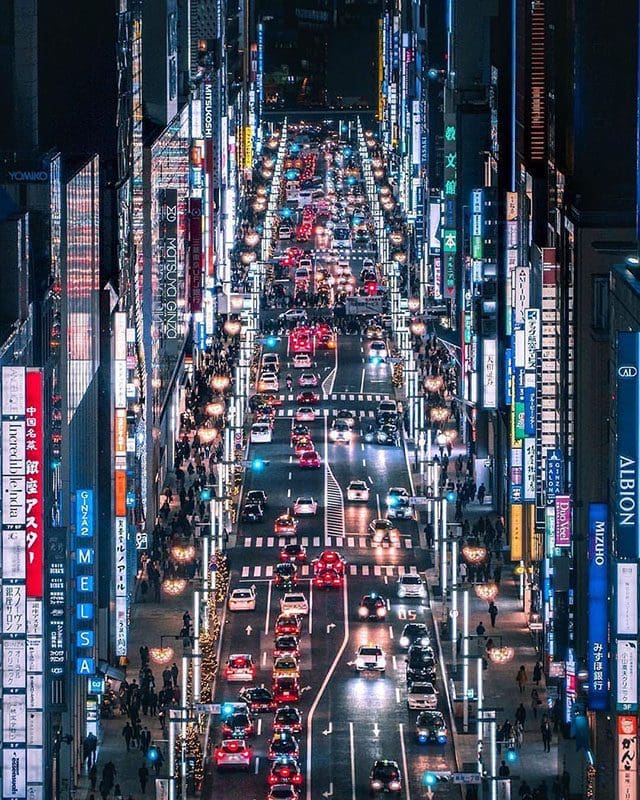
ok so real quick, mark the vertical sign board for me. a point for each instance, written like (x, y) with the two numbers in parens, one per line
(627, 476)
(627, 625)
(449, 244)
(168, 268)
(489, 373)
(626, 599)
(627, 678)
(14, 596)
(85, 583)
(598, 639)
(563, 520)
(34, 528)
(120, 488)
(554, 482)
(627, 757)
(195, 254)
(529, 469)
(516, 532)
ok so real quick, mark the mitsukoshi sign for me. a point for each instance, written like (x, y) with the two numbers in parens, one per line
(628, 447)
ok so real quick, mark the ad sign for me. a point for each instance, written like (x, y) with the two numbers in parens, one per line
(85, 583)
(529, 469)
(627, 599)
(489, 374)
(627, 477)
(195, 254)
(553, 482)
(520, 294)
(168, 268)
(563, 520)
(627, 757)
(33, 483)
(531, 336)
(627, 683)
(598, 655)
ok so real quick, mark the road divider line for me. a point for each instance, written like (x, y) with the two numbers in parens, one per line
(257, 765)
(310, 608)
(352, 753)
(364, 372)
(405, 765)
(268, 614)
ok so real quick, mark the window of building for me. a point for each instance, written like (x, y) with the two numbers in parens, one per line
(600, 303)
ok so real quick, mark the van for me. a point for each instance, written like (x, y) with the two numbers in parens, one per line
(341, 237)
(378, 351)
(305, 198)
(260, 432)
(271, 359)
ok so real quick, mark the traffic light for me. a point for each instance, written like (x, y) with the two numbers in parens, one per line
(511, 755)
(205, 494)
(271, 341)
(259, 464)
(429, 779)
(153, 754)
(227, 709)
(451, 496)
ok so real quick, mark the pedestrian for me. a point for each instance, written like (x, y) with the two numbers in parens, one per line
(186, 620)
(493, 613)
(428, 532)
(104, 789)
(481, 493)
(518, 732)
(537, 673)
(143, 777)
(174, 674)
(497, 574)
(463, 572)
(504, 770)
(521, 678)
(157, 764)
(521, 714)
(480, 629)
(524, 792)
(547, 733)
(127, 733)
(117, 792)
(536, 702)
(93, 777)
(109, 774)
(490, 645)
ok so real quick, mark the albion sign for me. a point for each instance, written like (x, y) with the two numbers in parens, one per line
(627, 477)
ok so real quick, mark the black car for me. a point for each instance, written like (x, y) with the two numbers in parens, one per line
(256, 496)
(252, 512)
(284, 575)
(387, 434)
(385, 777)
(258, 698)
(372, 606)
(287, 718)
(414, 633)
(386, 418)
(421, 664)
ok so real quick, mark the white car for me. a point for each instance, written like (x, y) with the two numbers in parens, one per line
(302, 361)
(340, 432)
(422, 695)
(295, 314)
(260, 432)
(378, 350)
(411, 585)
(232, 753)
(242, 599)
(356, 491)
(305, 506)
(270, 361)
(268, 383)
(294, 603)
(370, 658)
(285, 232)
(389, 406)
(308, 379)
(305, 414)
(398, 503)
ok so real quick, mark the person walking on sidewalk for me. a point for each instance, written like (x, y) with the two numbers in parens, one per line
(537, 673)
(504, 770)
(174, 674)
(143, 777)
(536, 702)
(521, 714)
(482, 491)
(127, 733)
(480, 629)
(521, 679)
(547, 733)
(93, 777)
(493, 613)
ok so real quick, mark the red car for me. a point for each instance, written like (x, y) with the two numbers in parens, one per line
(285, 525)
(286, 690)
(295, 553)
(302, 445)
(328, 579)
(330, 559)
(301, 344)
(287, 718)
(299, 430)
(308, 397)
(285, 770)
(310, 459)
(288, 624)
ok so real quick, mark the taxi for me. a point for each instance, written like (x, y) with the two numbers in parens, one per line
(285, 667)
(285, 525)
(240, 667)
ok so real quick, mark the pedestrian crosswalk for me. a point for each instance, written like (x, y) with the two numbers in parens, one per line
(354, 541)
(354, 570)
(353, 397)
(326, 412)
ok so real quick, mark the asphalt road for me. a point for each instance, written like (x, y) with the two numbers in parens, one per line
(349, 720)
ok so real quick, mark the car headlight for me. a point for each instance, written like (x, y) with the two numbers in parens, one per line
(376, 785)
(401, 591)
(363, 611)
(423, 592)
(442, 738)
(381, 612)
(394, 786)
(422, 737)
(404, 641)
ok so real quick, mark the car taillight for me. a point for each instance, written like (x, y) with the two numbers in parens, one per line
(272, 779)
(376, 784)
(285, 772)
(394, 786)
(246, 753)
(381, 612)
(297, 779)
(363, 611)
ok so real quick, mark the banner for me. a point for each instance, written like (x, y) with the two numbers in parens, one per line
(563, 521)
(598, 647)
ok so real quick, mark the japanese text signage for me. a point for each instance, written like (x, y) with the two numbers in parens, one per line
(554, 482)
(168, 269)
(85, 583)
(627, 477)
(563, 521)
(598, 655)
(627, 757)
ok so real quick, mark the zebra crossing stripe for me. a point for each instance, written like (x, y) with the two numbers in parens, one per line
(365, 569)
(343, 396)
(247, 541)
(270, 541)
(369, 398)
(353, 569)
(245, 572)
(268, 571)
(351, 542)
(259, 541)
(352, 397)
(377, 570)
(316, 541)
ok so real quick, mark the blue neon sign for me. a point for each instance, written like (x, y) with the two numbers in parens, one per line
(85, 583)
(598, 655)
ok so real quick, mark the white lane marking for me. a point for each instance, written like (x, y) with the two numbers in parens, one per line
(370, 479)
(268, 614)
(259, 730)
(362, 446)
(289, 492)
(394, 661)
(310, 609)
(291, 462)
(364, 462)
(325, 683)
(378, 504)
(257, 765)
(362, 381)
(391, 631)
(264, 658)
(352, 752)
(397, 694)
(289, 476)
(405, 766)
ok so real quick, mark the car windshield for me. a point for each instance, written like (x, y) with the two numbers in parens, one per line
(411, 580)
(385, 772)
(421, 688)
(282, 792)
(414, 629)
(239, 720)
(287, 715)
(420, 657)
(369, 651)
(305, 501)
(294, 598)
(358, 485)
(242, 593)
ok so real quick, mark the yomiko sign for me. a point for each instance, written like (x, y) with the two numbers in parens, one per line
(627, 476)
(168, 229)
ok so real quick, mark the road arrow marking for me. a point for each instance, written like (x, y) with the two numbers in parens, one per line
(328, 730)
(305, 689)
(330, 792)
(248, 630)
(376, 730)
(330, 627)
